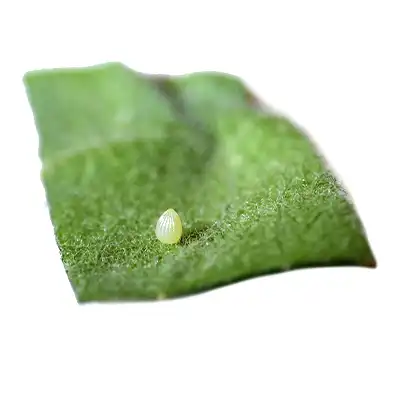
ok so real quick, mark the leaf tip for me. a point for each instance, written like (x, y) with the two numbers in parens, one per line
(371, 263)
(26, 78)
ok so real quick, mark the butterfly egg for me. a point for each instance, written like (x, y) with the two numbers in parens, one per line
(169, 227)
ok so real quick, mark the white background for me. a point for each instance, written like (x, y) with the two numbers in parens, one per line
(331, 333)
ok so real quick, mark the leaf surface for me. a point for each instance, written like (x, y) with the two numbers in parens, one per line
(119, 148)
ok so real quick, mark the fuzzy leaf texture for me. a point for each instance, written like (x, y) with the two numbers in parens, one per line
(119, 148)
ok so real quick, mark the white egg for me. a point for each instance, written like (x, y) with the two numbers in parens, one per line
(169, 227)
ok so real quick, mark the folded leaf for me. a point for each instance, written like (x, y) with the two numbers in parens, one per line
(119, 148)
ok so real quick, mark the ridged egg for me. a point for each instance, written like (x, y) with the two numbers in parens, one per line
(169, 227)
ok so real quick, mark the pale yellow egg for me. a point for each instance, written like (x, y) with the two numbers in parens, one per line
(169, 227)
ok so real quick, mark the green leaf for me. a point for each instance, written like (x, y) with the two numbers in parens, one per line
(119, 148)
